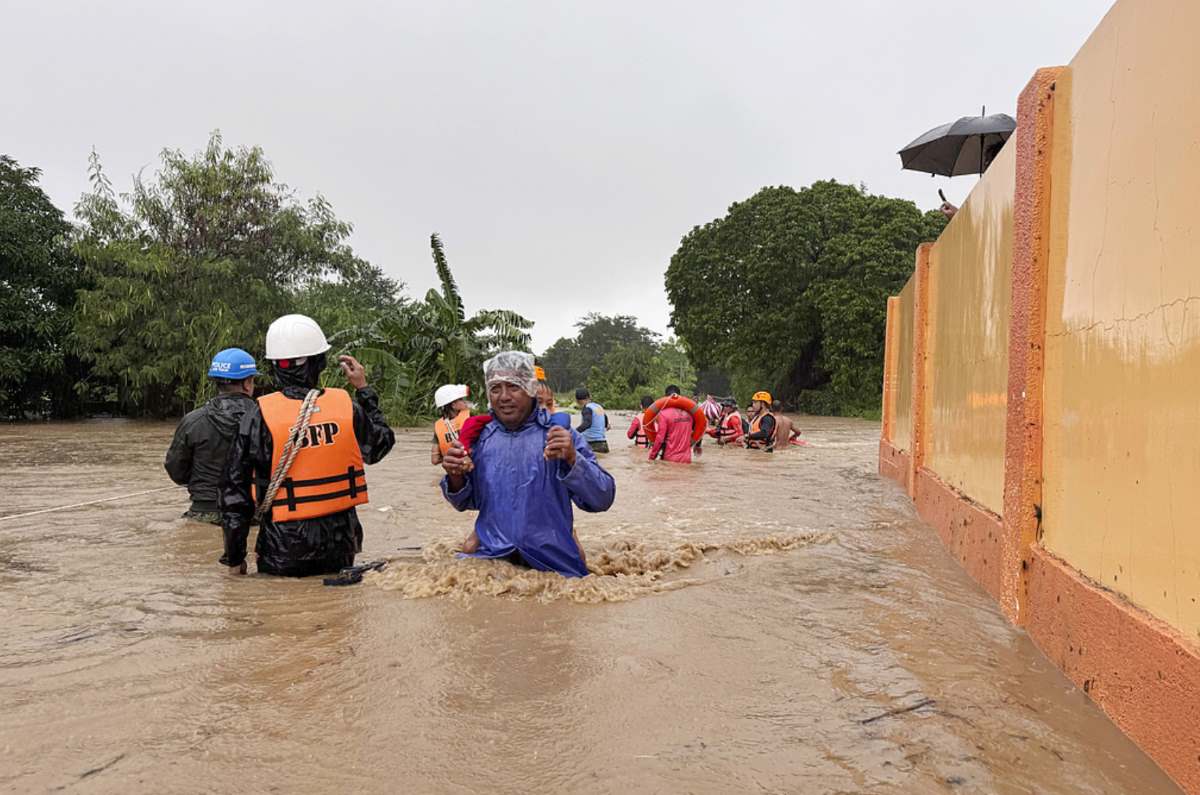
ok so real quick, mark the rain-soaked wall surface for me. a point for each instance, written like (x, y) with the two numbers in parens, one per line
(1096, 414)
(902, 408)
(970, 284)
(1122, 368)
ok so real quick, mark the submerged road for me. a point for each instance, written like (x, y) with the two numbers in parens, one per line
(776, 623)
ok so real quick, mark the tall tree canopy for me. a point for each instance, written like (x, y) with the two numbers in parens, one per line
(569, 361)
(200, 257)
(39, 275)
(788, 292)
(617, 360)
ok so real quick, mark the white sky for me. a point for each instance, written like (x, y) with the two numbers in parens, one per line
(561, 149)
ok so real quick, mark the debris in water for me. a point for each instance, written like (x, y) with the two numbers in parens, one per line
(925, 702)
(102, 768)
(352, 575)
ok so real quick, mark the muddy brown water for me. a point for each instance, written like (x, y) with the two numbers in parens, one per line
(759, 618)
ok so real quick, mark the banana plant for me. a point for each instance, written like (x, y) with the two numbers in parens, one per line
(412, 349)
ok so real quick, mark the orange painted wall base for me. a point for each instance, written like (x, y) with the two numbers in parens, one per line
(971, 532)
(1140, 671)
(894, 464)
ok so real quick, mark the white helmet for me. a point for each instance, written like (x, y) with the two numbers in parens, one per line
(448, 393)
(294, 337)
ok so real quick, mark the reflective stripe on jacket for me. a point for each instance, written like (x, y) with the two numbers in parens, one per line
(327, 475)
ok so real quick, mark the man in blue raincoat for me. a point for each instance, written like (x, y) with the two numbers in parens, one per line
(522, 474)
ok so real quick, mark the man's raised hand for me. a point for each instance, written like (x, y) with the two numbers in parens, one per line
(355, 373)
(455, 460)
(560, 446)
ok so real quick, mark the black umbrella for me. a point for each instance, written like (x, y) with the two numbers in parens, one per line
(966, 146)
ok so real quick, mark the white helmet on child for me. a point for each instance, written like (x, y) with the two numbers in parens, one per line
(448, 393)
(294, 337)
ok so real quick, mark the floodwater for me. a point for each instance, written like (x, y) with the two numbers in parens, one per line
(762, 623)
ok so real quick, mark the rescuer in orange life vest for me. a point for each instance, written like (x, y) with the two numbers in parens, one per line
(311, 526)
(451, 400)
(762, 423)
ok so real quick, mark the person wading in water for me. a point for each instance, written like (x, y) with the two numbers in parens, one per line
(593, 422)
(728, 428)
(311, 526)
(673, 429)
(762, 423)
(451, 401)
(526, 470)
(636, 431)
(197, 454)
(785, 430)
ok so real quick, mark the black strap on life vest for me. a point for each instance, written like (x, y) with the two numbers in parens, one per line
(352, 477)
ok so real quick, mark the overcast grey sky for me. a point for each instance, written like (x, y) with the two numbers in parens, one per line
(561, 149)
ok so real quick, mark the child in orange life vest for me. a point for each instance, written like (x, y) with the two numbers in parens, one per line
(451, 400)
(545, 395)
(636, 431)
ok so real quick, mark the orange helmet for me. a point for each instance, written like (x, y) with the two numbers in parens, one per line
(765, 397)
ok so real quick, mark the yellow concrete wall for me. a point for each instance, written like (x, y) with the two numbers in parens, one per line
(967, 378)
(1122, 384)
(902, 416)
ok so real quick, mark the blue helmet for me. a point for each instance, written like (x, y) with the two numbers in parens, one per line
(232, 364)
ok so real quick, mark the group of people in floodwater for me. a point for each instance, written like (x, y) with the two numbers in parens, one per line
(293, 461)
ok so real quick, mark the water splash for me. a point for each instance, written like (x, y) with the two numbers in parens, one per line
(621, 570)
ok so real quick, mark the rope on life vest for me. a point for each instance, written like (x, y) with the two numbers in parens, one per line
(295, 441)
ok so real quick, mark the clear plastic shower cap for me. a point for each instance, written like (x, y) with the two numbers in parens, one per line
(512, 367)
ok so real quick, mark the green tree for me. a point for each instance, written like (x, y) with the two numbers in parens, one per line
(200, 257)
(39, 276)
(569, 361)
(353, 299)
(673, 365)
(417, 346)
(787, 292)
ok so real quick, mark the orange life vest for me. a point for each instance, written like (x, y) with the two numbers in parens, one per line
(327, 475)
(447, 433)
(754, 426)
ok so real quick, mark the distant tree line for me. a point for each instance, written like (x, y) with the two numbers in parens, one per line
(122, 312)
(788, 292)
(618, 361)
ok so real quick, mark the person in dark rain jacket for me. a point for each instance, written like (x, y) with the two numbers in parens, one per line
(198, 451)
(311, 526)
(528, 468)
